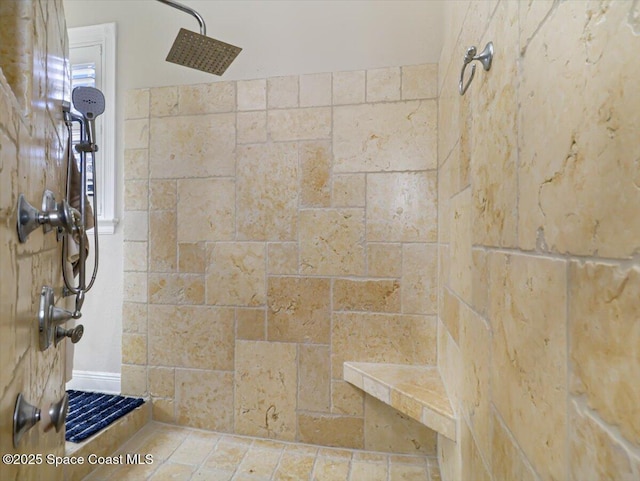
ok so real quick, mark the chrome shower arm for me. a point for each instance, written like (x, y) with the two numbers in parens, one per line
(191, 11)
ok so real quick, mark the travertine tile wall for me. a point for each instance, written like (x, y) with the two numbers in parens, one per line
(275, 228)
(539, 235)
(33, 82)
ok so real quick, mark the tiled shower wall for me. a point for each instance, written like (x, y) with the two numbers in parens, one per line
(539, 235)
(275, 228)
(33, 79)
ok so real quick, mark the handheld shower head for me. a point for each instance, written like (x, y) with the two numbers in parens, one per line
(90, 103)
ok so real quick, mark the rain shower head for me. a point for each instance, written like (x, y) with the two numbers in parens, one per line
(198, 51)
(204, 53)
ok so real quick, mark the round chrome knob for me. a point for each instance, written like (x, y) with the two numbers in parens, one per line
(75, 334)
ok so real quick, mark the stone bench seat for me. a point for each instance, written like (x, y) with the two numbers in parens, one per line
(417, 391)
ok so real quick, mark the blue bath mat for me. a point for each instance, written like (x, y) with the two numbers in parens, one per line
(89, 412)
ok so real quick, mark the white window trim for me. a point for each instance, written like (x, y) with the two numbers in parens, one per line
(104, 35)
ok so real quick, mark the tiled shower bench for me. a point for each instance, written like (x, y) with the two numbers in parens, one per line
(417, 391)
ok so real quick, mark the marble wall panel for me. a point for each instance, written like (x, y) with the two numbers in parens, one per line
(387, 137)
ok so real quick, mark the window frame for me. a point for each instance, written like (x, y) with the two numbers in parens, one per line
(104, 36)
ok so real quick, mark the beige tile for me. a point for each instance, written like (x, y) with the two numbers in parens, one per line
(176, 288)
(192, 257)
(595, 453)
(299, 309)
(193, 146)
(420, 81)
(206, 210)
(136, 104)
(384, 260)
(348, 87)
(226, 456)
(475, 349)
(480, 280)
(134, 380)
(207, 98)
(507, 460)
(315, 174)
(259, 462)
(136, 164)
(315, 90)
(173, 472)
(135, 256)
(282, 258)
(134, 348)
(209, 474)
(205, 333)
(388, 430)
(364, 295)
(331, 242)
(267, 192)
(136, 134)
(605, 341)
(195, 448)
(299, 124)
(569, 150)
(402, 207)
(162, 241)
(349, 190)
(331, 430)
(236, 274)
(328, 469)
(419, 284)
(528, 313)
(265, 389)
(200, 393)
(135, 287)
(450, 314)
(134, 317)
(391, 338)
(252, 127)
(473, 467)
(383, 84)
(161, 381)
(252, 94)
(164, 101)
(407, 472)
(346, 399)
(136, 195)
(387, 137)
(250, 324)
(136, 226)
(314, 386)
(282, 92)
(368, 471)
(294, 467)
(461, 277)
(163, 194)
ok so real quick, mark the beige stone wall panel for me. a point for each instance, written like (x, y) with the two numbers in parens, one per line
(386, 136)
(604, 329)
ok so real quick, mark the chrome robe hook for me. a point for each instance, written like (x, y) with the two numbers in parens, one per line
(485, 57)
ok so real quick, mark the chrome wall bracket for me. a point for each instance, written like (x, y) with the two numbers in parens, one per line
(51, 317)
(52, 215)
(485, 58)
(25, 416)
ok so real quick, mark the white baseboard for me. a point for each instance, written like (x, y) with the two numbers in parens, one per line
(105, 382)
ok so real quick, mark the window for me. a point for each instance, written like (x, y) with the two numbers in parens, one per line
(92, 52)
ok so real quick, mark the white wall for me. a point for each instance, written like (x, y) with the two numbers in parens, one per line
(278, 38)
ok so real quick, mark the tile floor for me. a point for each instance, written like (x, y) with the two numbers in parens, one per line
(184, 454)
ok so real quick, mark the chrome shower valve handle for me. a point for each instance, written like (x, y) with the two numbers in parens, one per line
(51, 215)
